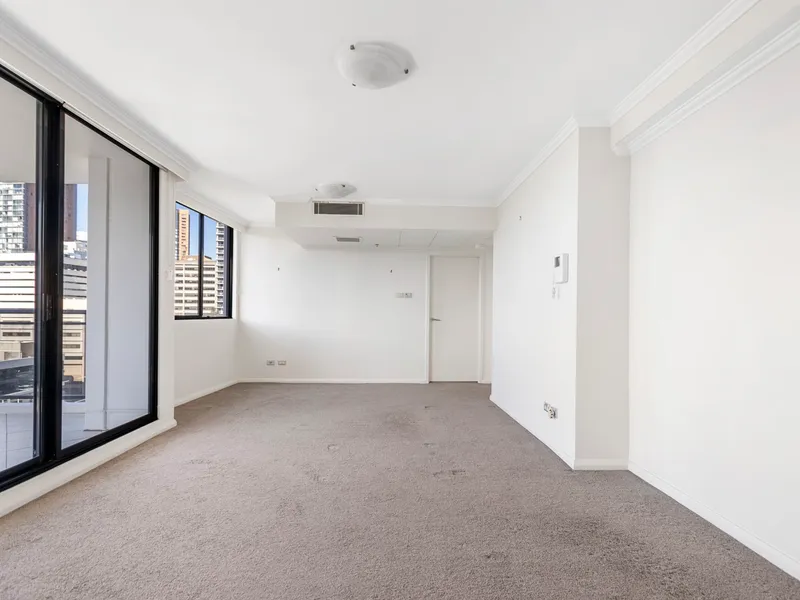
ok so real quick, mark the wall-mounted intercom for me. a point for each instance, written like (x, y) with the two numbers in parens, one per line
(561, 268)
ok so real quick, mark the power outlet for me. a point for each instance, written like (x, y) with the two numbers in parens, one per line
(281, 363)
(552, 411)
(270, 363)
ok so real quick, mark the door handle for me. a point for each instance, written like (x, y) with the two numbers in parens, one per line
(432, 319)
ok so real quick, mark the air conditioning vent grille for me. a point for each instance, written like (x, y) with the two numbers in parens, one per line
(350, 209)
(348, 240)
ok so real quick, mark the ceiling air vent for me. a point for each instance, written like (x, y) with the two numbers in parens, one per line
(348, 240)
(352, 209)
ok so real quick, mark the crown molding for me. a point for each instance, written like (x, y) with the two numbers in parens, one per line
(210, 208)
(90, 97)
(761, 51)
(570, 127)
(719, 23)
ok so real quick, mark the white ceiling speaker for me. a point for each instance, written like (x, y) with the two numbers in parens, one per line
(375, 65)
(335, 190)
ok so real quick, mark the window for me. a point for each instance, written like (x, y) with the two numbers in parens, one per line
(62, 183)
(203, 266)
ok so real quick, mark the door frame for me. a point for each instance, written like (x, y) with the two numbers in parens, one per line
(481, 256)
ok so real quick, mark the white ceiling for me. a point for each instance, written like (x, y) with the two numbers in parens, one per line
(249, 88)
(390, 239)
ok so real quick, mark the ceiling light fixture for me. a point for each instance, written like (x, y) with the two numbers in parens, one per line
(375, 65)
(335, 190)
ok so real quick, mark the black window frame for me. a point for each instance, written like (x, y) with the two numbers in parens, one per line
(227, 272)
(48, 317)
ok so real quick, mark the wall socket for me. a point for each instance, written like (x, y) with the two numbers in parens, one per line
(281, 363)
(551, 411)
(270, 363)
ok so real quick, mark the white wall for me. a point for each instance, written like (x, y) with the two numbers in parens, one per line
(487, 293)
(534, 349)
(567, 345)
(331, 314)
(205, 357)
(714, 322)
(601, 439)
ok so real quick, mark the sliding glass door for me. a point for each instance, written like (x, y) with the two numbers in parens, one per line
(78, 285)
(19, 417)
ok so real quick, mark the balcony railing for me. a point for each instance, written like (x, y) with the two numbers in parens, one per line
(17, 352)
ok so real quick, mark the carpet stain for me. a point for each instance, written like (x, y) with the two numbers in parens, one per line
(288, 508)
(495, 556)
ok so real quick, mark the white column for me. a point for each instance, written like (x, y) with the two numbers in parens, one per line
(96, 345)
(166, 297)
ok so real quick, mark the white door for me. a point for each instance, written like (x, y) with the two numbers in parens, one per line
(455, 310)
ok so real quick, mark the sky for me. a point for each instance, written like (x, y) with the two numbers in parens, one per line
(209, 233)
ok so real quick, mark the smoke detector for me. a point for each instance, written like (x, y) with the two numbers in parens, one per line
(374, 65)
(335, 190)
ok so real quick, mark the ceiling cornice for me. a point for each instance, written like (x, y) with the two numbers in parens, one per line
(765, 48)
(554, 144)
(719, 23)
(210, 208)
(761, 51)
(31, 47)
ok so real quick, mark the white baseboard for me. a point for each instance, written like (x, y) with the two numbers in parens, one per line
(204, 392)
(485, 382)
(40, 485)
(756, 544)
(338, 381)
(600, 464)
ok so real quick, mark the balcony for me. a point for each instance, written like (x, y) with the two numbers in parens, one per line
(16, 384)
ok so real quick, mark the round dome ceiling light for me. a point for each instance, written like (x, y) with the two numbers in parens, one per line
(335, 190)
(375, 65)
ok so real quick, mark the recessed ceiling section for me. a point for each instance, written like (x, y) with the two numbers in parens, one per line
(414, 240)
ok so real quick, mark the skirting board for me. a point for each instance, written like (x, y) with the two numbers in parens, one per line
(342, 381)
(205, 392)
(28, 491)
(600, 464)
(757, 545)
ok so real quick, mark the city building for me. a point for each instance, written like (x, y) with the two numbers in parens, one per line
(27, 201)
(17, 302)
(181, 233)
(186, 270)
(186, 286)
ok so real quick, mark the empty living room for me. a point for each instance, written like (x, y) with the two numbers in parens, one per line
(399, 300)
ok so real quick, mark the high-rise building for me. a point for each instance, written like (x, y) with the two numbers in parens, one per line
(181, 234)
(220, 275)
(12, 217)
(29, 214)
(186, 286)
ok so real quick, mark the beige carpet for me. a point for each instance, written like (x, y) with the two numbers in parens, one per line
(364, 492)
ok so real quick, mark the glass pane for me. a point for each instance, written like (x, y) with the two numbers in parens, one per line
(106, 310)
(187, 251)
(18, 419)
(214, 245)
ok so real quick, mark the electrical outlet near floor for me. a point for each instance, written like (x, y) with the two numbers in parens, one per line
(551, 411)
(281, 363)
(270, 363)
